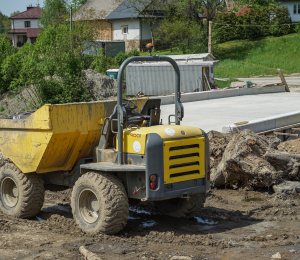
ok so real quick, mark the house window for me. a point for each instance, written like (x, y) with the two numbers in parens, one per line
(125, 30)
(27, 24)
(298, 9)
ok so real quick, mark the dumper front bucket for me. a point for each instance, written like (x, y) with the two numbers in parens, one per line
(55, 137)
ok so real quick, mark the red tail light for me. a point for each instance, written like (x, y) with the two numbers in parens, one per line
(153, 185)
(208, 176)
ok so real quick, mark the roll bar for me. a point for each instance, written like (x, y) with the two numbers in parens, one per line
(122, 112)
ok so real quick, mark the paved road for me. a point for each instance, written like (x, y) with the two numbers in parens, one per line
(213, 114)
(291, 80)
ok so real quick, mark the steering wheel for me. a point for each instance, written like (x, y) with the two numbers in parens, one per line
(127, 105)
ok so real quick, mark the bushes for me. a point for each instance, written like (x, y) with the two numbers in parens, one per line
(51, 67)
(121, 56)
(255, 16)
(6, 50)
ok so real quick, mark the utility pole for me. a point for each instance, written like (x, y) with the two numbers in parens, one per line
(209, 37)
(71, 18)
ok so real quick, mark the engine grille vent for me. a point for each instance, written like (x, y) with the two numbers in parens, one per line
(184, 159)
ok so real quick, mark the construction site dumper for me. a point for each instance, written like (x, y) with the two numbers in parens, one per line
(111, 154)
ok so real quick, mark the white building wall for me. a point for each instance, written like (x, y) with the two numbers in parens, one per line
(290, 5)
(133, 30)
(146, 33)
(19, 23)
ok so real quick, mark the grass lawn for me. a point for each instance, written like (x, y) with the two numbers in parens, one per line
(245, 58)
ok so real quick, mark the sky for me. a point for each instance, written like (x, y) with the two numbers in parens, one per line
(9, 6)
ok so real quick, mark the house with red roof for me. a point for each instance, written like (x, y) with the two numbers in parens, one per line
(24, 26)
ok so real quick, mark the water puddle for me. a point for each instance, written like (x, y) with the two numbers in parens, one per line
(149, 223)
(200, 220)
(139, 211)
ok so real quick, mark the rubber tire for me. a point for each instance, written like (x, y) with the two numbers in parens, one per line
(182, 208)
(113, 200)
(30, 189)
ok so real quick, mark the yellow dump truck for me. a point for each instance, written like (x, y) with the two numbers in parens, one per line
(111, 154)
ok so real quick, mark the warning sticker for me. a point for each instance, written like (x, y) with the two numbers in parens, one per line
(137, 146)
(170, 131)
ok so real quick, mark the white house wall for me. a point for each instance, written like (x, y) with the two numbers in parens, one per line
(146, 33)
(290, 5)
(20, 23)
(133, 30)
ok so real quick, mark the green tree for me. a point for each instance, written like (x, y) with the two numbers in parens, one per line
(4, 24)
(50, 67)
(6, 50)
(76, 4)
(14, 13)
(257, 3)
(184, 25)
(54, 13)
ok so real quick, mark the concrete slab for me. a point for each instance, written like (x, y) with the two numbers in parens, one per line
(197, 96)
(214, 114)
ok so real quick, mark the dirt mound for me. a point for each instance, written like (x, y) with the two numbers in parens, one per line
(100, 86)
(217, 145)
(292, 146)
(250, 160)
(11, 103)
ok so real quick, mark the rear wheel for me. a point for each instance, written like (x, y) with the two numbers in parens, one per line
(182, 208)
(21, 195)
(99, 203)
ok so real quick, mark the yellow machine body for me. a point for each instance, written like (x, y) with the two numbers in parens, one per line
(55, 137)
(191, 154)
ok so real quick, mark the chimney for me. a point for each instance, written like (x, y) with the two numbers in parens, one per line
(29, 7)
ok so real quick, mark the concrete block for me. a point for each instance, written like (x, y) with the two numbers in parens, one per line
(280, 88)
(256, 126)
(223, 93)
(288, 119)
(196, 96)
(256, 91)
(165, 100)
(214, 94)
(245, 91)
(273, 89)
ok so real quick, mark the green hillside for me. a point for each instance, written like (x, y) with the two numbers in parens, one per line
(244, 58)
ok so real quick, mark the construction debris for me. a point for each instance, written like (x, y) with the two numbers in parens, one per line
(250, 160)
(292, 146)
(87, 254)
(287, 187)
(100, 86)
(139, 94)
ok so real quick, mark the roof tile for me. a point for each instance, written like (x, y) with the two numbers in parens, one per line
(31, 13)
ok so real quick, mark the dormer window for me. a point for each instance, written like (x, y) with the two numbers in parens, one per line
(27, 24)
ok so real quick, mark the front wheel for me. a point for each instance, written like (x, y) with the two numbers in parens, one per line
(181, 207)
(21, 195)
(99, 203)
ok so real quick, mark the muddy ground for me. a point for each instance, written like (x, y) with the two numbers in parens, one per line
(234, 224)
